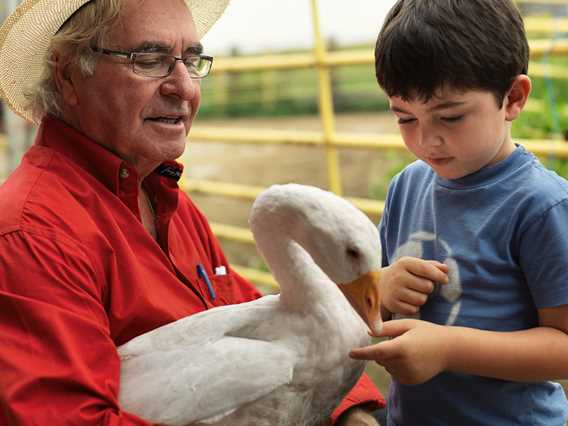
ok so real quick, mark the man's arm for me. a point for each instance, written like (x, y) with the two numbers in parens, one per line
(419, 350)
(59, 364)
(357, 416)
(358, 403)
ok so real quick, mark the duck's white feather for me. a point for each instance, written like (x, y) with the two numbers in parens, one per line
(204, 365)
(280, 360)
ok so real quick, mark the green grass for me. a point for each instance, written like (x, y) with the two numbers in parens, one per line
(289, 92)
(295, 92)
(395, 161)
(552, 119)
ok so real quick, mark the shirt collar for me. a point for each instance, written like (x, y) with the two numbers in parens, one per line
(96, 159)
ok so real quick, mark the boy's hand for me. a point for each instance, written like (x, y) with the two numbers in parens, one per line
(417, 351)
(406, 284)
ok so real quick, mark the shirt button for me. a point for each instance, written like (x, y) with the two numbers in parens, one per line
(124, 173)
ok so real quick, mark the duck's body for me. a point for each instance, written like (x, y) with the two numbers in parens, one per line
(280, 360)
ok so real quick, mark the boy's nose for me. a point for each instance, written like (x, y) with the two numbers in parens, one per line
(428, 137)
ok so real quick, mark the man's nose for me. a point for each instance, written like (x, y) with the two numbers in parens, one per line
(180, 83)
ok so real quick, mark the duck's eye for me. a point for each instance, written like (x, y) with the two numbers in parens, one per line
(353, 253)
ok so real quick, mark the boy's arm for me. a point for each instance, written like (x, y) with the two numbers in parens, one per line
(535, 354)
(420, 350)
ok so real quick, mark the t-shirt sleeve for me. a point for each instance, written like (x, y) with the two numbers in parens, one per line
(59, 364)
(544, 254)
(384, 223)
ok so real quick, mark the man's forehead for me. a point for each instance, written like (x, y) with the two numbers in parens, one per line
(163, 47)
(147, 25)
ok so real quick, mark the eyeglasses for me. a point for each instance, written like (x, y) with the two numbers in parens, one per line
(159, 65)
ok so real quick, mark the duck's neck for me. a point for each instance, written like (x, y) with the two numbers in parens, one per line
(292, 265)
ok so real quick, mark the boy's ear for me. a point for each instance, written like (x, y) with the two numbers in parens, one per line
(517, 96)
(62, 76)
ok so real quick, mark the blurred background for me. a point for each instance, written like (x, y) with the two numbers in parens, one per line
(293, 98)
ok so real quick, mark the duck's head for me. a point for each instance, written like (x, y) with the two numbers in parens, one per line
(340, 238)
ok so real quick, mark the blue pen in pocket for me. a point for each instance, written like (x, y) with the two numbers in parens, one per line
(203, 275)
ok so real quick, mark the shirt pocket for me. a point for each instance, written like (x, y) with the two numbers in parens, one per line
(226, 289)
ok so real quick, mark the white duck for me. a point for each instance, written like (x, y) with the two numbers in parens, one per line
(279, 360)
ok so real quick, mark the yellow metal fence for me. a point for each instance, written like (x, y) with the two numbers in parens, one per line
(331, 141)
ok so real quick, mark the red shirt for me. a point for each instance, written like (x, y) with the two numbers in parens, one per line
(80, 275)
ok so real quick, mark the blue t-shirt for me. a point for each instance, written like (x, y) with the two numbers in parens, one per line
(503, 231)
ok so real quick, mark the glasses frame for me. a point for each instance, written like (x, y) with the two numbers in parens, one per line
(131, 56)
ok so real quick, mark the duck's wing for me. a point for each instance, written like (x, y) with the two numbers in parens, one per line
(206, 326)
(179, 375)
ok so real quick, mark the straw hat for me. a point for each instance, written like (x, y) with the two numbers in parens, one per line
(26, 34)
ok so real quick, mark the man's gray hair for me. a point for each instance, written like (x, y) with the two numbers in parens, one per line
(86, 28)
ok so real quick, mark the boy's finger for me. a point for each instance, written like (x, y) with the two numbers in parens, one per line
(379, 352)
(367, 352)
(395, 328)
(441, 266)
(387, 349)
(444, 269)
(434, 271)
(418, 285)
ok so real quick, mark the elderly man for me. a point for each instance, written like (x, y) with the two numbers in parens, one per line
(97, 242)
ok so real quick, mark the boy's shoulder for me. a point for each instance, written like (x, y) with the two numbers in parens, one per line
(537, 177)
(416, 171)
(415, 179)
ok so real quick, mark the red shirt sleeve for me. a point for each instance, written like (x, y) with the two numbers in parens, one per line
(363, 393)
(58, 362)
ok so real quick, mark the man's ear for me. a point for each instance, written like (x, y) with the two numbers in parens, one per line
(517, 96)
(64, 82)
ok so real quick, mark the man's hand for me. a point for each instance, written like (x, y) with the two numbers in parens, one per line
(357, 416)
(416, 353)
(407, 283)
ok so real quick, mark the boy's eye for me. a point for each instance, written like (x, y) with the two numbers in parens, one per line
(405, 120)
(453, 119)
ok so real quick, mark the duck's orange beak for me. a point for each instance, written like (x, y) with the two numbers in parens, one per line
(363, 294)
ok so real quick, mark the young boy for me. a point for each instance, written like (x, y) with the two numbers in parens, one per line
(477, 214)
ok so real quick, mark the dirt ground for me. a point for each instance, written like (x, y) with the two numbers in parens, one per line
(265, 165)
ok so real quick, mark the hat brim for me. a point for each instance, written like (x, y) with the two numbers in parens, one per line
(26, 34)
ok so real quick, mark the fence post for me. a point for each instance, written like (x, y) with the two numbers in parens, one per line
(267, 90)
(220, 93)
(326, 104)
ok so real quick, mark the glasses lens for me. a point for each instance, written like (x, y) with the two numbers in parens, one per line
(161, 64)
(152, 64)
(197, 66)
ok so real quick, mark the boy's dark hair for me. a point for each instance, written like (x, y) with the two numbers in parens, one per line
(425, 45)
